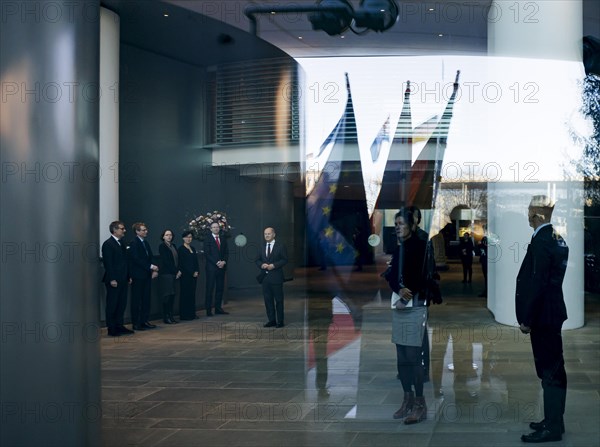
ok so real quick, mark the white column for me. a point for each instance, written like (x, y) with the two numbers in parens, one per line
(109, 119)
(507, 220)
(534, 47)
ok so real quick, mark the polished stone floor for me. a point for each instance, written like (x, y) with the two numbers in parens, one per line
(328, 377)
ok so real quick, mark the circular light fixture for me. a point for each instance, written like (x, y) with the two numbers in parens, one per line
(374, 240)
(240, 240)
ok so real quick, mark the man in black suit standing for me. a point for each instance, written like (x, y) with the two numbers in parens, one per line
(541, 311)
(142, 272)
(116, 278)
(216, 254)
(270, 260)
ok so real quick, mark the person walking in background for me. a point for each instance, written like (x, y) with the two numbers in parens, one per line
(407, 279)
(216, 253)
(483, 260)
(188, 273)
(466, 248)
(270, 260)
(168, 273)
(116, 279)
(142, 272)
(541, 312)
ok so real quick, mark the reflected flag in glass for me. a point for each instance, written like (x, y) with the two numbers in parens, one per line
(337, 219)
(405, 183)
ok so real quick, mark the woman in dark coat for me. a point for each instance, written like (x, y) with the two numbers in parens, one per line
(168, 272)
(189, 268)
(407, 279)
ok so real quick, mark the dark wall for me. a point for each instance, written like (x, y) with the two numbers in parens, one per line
(167, 177)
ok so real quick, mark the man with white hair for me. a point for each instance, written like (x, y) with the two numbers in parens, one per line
(541, 311)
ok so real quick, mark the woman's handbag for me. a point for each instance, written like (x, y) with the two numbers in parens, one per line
(432, 292)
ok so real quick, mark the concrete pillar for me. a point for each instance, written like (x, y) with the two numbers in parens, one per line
(537, 46)
(109, 119)
(50, 358)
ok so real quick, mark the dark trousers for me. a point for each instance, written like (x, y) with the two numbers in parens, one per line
(116, 302)
(546, 344)
(187, 297)
(273, 296)
(140, 300)
(484, 268)
(215, 281)
(467, 265)
(410, 368)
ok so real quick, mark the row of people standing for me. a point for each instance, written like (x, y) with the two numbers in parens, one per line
(133, 265)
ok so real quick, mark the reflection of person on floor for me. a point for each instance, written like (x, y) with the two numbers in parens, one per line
(407, 279)
(541, 312)
(461, 365)
(320, 317)
(466, 248)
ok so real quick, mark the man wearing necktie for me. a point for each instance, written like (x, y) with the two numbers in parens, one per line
(142, 272)
(216, 254)
(541, 311)
(116, 279)
(270, 261)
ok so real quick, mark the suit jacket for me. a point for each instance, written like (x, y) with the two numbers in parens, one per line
(539, 297)
(213, 254)
(139, 260)
(278, 258)
(114, 258)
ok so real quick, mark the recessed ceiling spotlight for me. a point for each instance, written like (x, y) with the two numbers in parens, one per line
(431, 9)
(342, 37)
(166, 14)
(440, 35)
(300, 37)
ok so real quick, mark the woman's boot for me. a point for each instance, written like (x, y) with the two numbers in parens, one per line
(166, 316)
(171, 319)
(418, 413)
(407, 406)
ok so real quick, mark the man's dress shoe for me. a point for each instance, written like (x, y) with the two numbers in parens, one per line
(113, 333)
(537, 426)
(280, 325)
(221, 312)
(124, 330)
(542, 436)
(270, 324)
(139, 327)
(148, 325)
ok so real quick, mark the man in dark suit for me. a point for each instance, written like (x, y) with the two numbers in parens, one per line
(142, 271)
(541, 311)
(116, 278)
(216, 254)
(270, 260)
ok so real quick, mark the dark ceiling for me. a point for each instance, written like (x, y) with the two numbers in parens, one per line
(185, 35)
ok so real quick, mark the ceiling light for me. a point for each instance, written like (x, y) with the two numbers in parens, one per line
(332, 23)
(377, 15)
